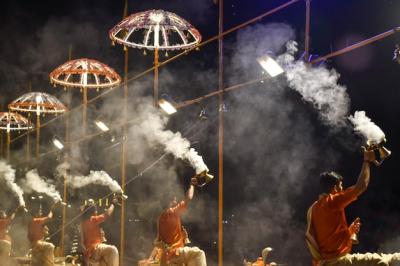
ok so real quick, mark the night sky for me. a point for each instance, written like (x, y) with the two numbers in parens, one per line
(275, 143)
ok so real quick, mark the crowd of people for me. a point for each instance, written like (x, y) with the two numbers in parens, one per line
(328, 236)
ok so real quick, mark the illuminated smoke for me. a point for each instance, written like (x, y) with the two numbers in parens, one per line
(152, 127)
(7, 174)
(94, 177)
(33, 182)
(365, 127)
(318, 86)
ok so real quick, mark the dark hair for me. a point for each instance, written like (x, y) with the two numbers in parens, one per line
(88, 211)
(328, 179)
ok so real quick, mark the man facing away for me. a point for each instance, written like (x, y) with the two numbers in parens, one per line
(96, 251)
(328, 236)
(42, 251)
(172, 236)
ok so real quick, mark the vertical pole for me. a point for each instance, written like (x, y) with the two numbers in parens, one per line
(84, 111)
(8, 145)
(220, 135)
(155, 88)
(1, 144)
(28, 137)
(28, 142)
(123, 148)
(65, 199)
(307, 33)
(37, 135)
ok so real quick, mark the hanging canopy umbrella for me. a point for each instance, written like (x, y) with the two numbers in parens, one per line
(12, 122)
(155, 29)
(38, 102)
(85, 73)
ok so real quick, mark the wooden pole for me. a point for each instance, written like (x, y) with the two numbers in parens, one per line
(220, 136)
(1, 144)
(84, 110)
(37, 136)
(65, 199)
(307, 32)
(8, 145)
(28, 137)
(155, 87)
(123, 148)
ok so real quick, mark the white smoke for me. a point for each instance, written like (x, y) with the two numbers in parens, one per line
(365, 127)
(7, 174)
(152, 127)
(94, 177)
(33, 182)
(317, 85)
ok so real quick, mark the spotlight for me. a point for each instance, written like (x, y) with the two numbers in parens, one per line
(58, 144)
(270, 65)
(166, 106)
(103, 127)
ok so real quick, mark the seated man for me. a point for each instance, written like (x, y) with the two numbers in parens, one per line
(172, 237)
(96, 252)
(42, 251)
(328, 236)
(5, 239)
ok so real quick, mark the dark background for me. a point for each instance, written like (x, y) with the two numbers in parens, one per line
(35, 38)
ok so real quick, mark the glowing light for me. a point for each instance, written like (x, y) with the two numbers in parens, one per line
(167, 107)
(58, 144)
(103, 127)
(270, 65)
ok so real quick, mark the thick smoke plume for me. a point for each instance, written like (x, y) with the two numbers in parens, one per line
(94, 177)
(152, 127)
(33, 182)
(7, 174)
(317, 85)
(366, 128)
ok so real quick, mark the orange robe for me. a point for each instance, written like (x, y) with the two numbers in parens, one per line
(36, 229)
(329, 225)
(4, 223)
(170, 230)
(91, 232)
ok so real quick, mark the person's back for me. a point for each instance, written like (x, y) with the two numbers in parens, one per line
(329, 224)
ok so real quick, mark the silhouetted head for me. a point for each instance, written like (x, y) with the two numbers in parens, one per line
(331, 181)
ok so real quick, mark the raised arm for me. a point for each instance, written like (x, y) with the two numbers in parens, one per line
(364, 176)
(190, 191)
(110, 210)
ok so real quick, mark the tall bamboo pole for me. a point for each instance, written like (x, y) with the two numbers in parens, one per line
(28, 137)
(84, 109)
(64, 211)
(307, 32)
(37, 135)
(220, 135)
(1, 144)
(155, 88)
(8, 145)
(123, 147)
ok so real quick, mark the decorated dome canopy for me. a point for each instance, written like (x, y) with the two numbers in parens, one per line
(85, 73)
(13, 121)
(155, 29)
(38, 102)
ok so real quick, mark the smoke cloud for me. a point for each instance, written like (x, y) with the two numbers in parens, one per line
(318, 86)
(33, 182)
(94, 177)
(151, 127)
(366, 128)
(7, 175)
